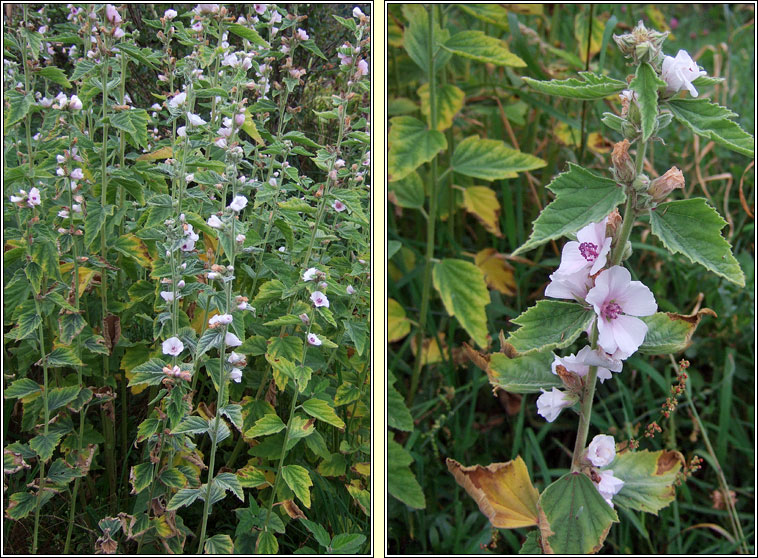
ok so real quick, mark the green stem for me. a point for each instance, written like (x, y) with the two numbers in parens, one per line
(27, 91)
(587, 398)
(40, 491)
(430, 225)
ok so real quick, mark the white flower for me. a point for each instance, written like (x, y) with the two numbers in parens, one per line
(181, 131)
(602, 450)
(212, 275)
(187, 245)
(319, 299)
(310, 274)
(167, 296)
(680, 72)
(235, 358)
(358, 13)
(313, 339)
(16, 199)
(363, 68)
(235, 375)
(608, 486)
(206, 8)
(232, 340)
(282, 249)
(194, 119)
(170, 14)
(260, 9)
(338, 206)
(112, 14)
(34, 197)
(215, 222)
(304, 318)
(240, 238)
(77, 174)
(276, 17)
(551, 403)
(589, 250)
(60, 172)
(177, 100)
(339, 163)
(172, 346)
(44, 102)
(118, 32)
(75, 103)
(63, 213)
(301, 34)
(220, 142)
(569, 285)
(580, 363)
(350, 290)
(76, 208)
(238, 203)
(223, 319)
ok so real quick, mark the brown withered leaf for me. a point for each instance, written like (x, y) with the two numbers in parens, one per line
(292, 510)
(668, 460)
(572, 381)
(106, 545)
(271, 393)
(18, 462)
(482, 360)
(719, 502)
(111, 331)
(503, 491)
(511, 401)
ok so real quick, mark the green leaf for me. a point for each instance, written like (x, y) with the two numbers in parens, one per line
(96, 217)
(491, 13)
(312, 47)
(401, 483)
(290, 347)
(670, 333)
(346, 543)
(319, 533)
(219, 544)
(332, 466)
(248, 33)
(299, 481)
(250, 477)
(449, 100)
(266, 543)
(133, 122)
(589, 88)
(692, 228)
(63, 356)
(267, 424)
(33, 273)
(55, 75)
(23, 503)
(531, 543)
(648, 479)
(150, 373)
(581, 198)
(173, 478)
(301, 138)
(131, 246)
(523, 374)
(712, 121)
(398, 414)
(184, 497)
(229, 481)
(191, 425)
(646, 84)
(491, 159)
(479, 46)
(549, 324)
(321, 410)
(21, 388)
(270, 290)
(140, 477)
(234, 414)
(357, 331)
(411, 145)
(45, 253)
(71, 325)
(416, 39)
(464, 293)
(574, 517)
(143, 56)
(58, 397)
(61, 473)
(44, 444)
(408, 191)
(26, 325)
(19, 105)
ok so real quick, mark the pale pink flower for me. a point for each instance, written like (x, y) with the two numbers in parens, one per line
(357, 12)
(118, 33)
(580, 363)
(589, 250)
(551, 403)
(680, 72)
(350, 290)
(608, 486)
(167, 296)
(34, 197)
(363, 68)
(232, 340)
(311, 273)
(194, 119)
(223, 319)
(617, 299)
(172, 346)
(178, 99)
(77, 174)
(235, 358)
(319, 299)
(238, 203)
(206, 8)
(112, 15)
(235, 375)
(276, 17)
(338, 206)
(75, 103)
(304, 318)
(301, 34)
(260, 9)
(170, 14)
(602, 450)
(313, 339)
(573, 286)
(181, 131)
(240, 238)
(215, 222)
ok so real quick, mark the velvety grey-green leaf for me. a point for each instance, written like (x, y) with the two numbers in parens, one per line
(401, 482)
(490, 159)
(712, 121)
(411, 145)
(408, 191)
(648, 479)
(574, 517)
(670, 333)
(523, 374)
(248, 33)
(581, 197)
(464, 293)
(590, 87)
(549, 324)
(416, 40)
(19, 105)
(479, 46)
(646, 84)
(692, 228)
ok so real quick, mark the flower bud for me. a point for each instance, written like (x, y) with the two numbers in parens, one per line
(641, 183)
(662, 186)
(627, 251)
(623, 167)
(613, 223)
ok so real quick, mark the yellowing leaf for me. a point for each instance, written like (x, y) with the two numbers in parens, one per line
(503, 491)
(581, 25)
(162, 153)
(408, 259)
(449, 100)
(498, 273)
(432, 353)
(482, 202)
(363, 469)
(85, 276)
(598, 143)
(526, 9)
(568, 135)
(398, 326)
(250, 129)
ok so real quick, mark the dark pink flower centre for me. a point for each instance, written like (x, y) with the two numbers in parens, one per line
(611, 311)
(319, 300)
(589, 251)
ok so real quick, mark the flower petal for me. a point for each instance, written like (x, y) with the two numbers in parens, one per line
(637, 300)
(606, 339)
(571, 259)
(629, 333)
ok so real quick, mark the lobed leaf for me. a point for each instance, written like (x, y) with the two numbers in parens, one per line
(591, 86)
(713, 122)
(549, 324)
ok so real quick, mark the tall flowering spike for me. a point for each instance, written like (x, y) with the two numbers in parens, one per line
(602, 450)
(551, 403)
(617, 299)
(589, 250)
(680, 72)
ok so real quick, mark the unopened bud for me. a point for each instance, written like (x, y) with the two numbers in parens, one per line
(627, 251)
(641, 183)
(662, 186)
(613, 223)
(623, 167)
